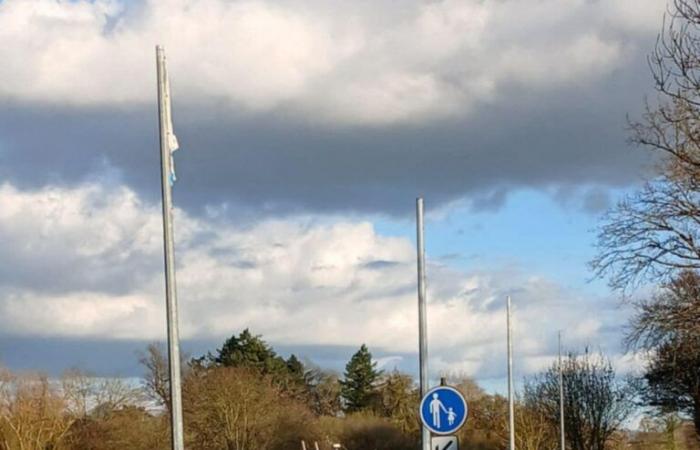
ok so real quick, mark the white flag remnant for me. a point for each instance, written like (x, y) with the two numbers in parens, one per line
(171, 139)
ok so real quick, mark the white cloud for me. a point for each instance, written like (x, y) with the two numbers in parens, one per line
(87, 262)
(357, 62)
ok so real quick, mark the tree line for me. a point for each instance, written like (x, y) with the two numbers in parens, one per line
(245, 396)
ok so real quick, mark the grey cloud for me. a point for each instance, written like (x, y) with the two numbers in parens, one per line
(57, 270)
(380, 264)
(272, 164)
(474, 113)
(109, 357)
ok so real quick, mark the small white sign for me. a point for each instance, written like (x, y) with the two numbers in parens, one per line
(444, 443)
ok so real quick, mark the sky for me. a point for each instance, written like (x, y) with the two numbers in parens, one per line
(307, 129)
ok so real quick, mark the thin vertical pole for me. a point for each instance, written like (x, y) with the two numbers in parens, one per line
(561, 398)
(511, 412)
(169, 248)
(422, 326)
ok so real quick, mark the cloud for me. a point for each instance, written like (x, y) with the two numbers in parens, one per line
(335, 61)
(299, 106)
(299, 282)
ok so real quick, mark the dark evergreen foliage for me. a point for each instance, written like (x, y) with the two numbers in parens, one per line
(358, 387)
(250, 351)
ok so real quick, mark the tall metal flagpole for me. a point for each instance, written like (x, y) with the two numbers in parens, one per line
(561, 398)
(170, 289)
(422, 327)
(511, 413)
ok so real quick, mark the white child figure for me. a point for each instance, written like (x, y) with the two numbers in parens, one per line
(451, 416)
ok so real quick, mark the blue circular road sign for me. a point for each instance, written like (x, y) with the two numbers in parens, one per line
(443, 410)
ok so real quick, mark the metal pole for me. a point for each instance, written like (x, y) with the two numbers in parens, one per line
(169, 248)
(422, 326)
(511, 413)
(561, 398)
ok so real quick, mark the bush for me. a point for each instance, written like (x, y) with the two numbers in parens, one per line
(237, 409)
(130, 427)
(366, 432)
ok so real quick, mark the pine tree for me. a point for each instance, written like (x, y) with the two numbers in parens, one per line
(295, 383)
(295, 367)
(358, 388)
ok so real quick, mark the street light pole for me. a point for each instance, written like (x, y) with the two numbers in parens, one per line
(422, 325)
(561, 398)
(511, 412)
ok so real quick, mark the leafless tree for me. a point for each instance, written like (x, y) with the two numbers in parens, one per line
(85, 393)
(672, 313)
(156, 379)
(324, 392)
(32, 413)
(533, 429)
(237, 409)
(596, 403)
(655, 233)
(650, 236)
(398, 400)
(668, 326)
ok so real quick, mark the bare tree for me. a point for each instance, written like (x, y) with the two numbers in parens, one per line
(533, 429)
(324, 392)
(672, 313)
(156, 379)
(398, 400)
(237, 409)
(650, 236)
(668, 326)
(654, 233)
(85, 393)
(596, 403)
(32, 414)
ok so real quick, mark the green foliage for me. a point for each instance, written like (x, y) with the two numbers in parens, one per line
(358, 387)
(250, 351)
(295, 367)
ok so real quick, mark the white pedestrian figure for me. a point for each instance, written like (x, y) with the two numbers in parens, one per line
(435, 407)
(451, 416)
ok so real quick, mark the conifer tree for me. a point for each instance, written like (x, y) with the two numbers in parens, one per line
(250, 351)
(358, 388)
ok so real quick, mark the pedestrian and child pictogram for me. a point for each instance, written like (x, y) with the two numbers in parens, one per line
(443, 410)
